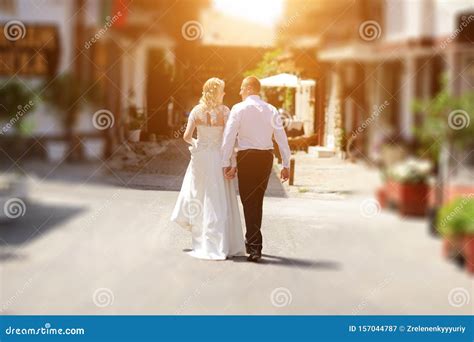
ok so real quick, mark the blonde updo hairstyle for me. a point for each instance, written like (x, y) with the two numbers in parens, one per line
(210, 94)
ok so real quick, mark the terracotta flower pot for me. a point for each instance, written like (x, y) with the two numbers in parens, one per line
(452, 246)
(381, 197)
(468, 252)
(413, 199)
(392, 193)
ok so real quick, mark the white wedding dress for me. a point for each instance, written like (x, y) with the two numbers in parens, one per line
(207, 203)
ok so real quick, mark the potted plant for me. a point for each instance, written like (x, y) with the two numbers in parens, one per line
(16, 102)
(444, 132)
(409, 187)
(67, 96)
(382, 194)
(455, 223)
(468, 230)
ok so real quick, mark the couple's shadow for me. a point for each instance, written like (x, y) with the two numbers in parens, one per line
(268, 259)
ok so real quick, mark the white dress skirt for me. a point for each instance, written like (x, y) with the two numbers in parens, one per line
(207, 203)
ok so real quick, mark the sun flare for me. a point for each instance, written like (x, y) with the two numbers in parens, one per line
(264, 12)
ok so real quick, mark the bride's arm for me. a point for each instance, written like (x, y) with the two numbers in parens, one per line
(188, 133)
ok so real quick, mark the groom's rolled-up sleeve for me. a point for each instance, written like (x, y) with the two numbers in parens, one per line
(233, 158)
(230, 135)
(282, 141)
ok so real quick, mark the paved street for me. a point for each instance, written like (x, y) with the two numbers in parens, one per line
(89, 247)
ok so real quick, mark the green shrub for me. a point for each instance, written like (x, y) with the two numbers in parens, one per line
(457, 217)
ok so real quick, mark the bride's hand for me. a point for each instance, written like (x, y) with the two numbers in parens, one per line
(229, 172)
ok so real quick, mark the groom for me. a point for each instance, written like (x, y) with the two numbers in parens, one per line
(253, 122)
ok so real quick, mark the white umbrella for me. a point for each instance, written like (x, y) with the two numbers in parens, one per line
(284, 80)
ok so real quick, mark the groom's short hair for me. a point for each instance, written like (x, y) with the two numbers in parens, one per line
(253, 83)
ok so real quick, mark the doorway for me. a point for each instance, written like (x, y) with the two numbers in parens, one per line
(158, 91)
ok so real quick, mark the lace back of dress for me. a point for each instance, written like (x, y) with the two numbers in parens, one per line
(209, 118)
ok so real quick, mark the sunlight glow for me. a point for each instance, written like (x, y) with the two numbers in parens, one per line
(264, 12)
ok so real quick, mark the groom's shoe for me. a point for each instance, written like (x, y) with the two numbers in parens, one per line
(254, 257)
(253, 249)
(248, 249)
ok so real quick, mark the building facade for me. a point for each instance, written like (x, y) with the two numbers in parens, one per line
(152, 55)
(398, 54)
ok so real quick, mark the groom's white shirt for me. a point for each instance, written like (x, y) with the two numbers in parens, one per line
(253, 122)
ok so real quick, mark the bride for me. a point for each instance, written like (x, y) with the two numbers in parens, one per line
(207, 203)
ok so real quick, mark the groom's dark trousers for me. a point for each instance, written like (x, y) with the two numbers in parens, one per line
(253, 171)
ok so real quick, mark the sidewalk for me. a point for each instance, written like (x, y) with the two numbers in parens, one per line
(331, 178)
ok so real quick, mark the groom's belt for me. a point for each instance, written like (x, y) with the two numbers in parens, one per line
(254, 155)
(254, 150)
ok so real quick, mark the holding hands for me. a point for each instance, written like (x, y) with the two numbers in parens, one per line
(229, 172)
